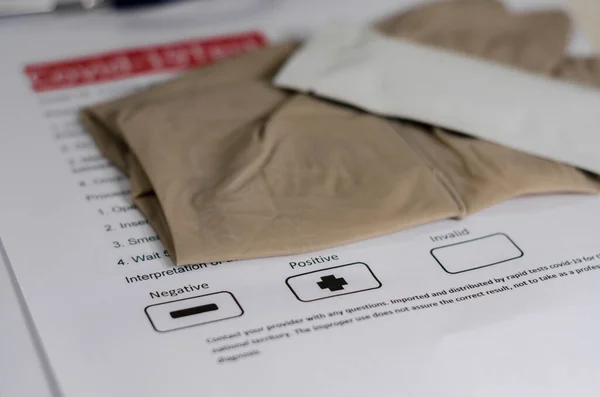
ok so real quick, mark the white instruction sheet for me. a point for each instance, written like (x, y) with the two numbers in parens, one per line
(505, 302)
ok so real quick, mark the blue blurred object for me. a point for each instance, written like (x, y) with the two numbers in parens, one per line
(20, 7)
(124, 4)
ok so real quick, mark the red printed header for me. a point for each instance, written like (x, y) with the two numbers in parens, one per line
(137, 61)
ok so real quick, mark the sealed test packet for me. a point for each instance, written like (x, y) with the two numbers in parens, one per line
(226, 166)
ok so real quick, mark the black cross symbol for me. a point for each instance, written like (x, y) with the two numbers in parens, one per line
(331, 282)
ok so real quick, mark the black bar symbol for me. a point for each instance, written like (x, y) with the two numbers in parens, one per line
(190, 311)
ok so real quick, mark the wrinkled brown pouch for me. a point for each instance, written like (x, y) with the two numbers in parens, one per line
(225, 166)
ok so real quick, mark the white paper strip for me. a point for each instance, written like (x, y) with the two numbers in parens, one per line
(392, 77)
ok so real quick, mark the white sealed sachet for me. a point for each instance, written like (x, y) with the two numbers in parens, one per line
(392, 77)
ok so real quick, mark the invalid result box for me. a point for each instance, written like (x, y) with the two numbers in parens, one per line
(476, 253)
